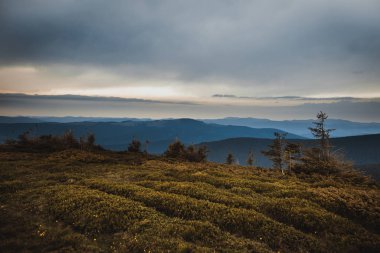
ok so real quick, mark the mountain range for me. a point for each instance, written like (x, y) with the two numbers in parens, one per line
(159, 133)
(300, 127)
(221, 136)
(65, 119)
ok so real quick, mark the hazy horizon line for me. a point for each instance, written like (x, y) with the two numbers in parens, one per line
(274, 108)
(171, 118)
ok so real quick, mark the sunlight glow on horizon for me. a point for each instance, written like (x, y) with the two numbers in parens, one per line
(59, 80)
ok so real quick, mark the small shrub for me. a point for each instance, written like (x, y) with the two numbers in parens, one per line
(178, 150)
(193, 154)
(88, 142)
(175, 150)
(134, 146)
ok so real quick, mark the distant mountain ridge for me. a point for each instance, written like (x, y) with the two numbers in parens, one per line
(300, 127)
(19, 119)
(65, 119)
(159, 133)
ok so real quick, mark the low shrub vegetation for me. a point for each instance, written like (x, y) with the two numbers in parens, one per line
(177, 150)
(89, 200)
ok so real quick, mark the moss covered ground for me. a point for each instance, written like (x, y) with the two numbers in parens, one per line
(100, 201)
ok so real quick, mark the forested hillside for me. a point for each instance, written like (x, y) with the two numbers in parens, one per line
(361, 150)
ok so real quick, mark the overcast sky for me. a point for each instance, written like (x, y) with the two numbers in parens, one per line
(190, 50)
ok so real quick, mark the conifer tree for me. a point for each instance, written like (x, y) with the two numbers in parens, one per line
(292, 153)
(146, 143)
(202, 154)
(87, 142)
(320, 159)
(230, 159)
(24, 138)
(91, 140)
(320, 132)
(250, 158)
(191, 153)
(276, 151)
(69, 140)
(175, 150)
(134, 146)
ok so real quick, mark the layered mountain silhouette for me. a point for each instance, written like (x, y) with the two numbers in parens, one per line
(300, 127)
(221, 139)
(159, 133)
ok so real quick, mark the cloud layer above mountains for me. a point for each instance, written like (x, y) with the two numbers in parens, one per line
(364, 110)
(280, 59)
(191, 48)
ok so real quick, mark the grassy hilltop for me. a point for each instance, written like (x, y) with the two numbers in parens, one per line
(100, 201)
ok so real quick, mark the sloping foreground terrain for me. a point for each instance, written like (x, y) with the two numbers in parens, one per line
(77, 201)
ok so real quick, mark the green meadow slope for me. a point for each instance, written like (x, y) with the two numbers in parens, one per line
(77, 201)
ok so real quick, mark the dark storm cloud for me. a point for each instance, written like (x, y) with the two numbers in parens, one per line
(301, 43)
